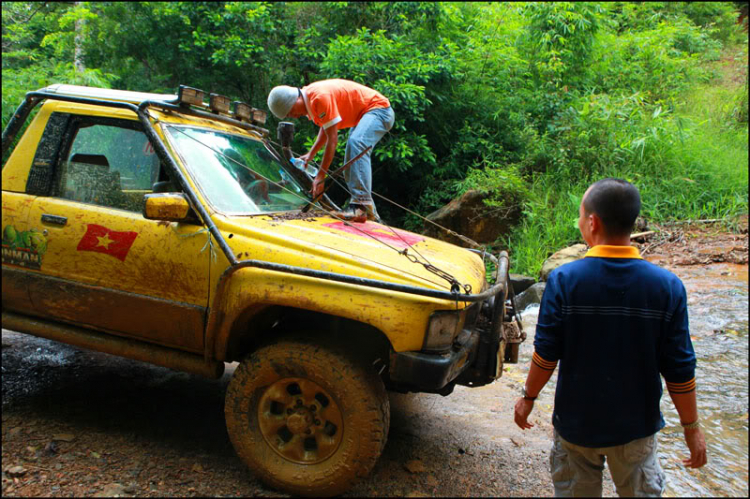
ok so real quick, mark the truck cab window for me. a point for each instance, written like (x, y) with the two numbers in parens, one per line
(109, 166)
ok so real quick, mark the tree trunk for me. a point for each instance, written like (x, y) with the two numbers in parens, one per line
(78, 55)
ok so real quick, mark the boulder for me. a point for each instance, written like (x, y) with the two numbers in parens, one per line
(531, 296)
(566, 255)
(521, 282)
(469, 216)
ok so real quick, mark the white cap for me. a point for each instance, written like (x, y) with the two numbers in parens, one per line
(281, 99)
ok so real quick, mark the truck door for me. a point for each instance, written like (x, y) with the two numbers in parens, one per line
(24, 244)
(105, 265)
(22, 249)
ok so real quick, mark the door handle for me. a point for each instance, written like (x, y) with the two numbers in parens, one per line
(54, 220)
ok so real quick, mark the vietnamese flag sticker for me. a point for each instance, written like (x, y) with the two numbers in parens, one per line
(103, 240)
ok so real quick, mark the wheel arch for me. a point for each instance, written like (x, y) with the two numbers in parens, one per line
(253, 328)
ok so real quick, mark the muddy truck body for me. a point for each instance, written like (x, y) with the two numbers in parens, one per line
(167, 230)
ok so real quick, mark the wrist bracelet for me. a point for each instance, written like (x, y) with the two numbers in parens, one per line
(690, 426)
(526, 395)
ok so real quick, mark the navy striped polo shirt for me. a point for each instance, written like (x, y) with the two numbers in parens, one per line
(615, 323)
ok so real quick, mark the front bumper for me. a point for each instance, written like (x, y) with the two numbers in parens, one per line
(475, 359)
(429, 372)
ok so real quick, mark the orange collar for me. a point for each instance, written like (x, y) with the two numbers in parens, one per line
(606, 251)
(306, 100)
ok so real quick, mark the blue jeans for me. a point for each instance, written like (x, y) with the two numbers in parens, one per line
(368, 132)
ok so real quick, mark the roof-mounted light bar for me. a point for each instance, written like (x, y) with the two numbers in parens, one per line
(242, 111)
(259, 116)
(219, 103)
(191, 96)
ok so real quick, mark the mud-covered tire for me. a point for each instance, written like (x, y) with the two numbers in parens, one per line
(357, 393)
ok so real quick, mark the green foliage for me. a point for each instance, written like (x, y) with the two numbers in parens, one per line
(398, 69)
(32, 43)
(563, 34)
(739, 106)
(506, 187)
(661, 62)
(688, 161)
(719, 19)
(528, 101)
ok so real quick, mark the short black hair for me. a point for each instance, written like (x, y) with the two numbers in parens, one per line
(617, 202)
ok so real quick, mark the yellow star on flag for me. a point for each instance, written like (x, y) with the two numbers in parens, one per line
(104, 241)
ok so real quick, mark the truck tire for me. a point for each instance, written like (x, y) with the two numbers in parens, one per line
(306, 418)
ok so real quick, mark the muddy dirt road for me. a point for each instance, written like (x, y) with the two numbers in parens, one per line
(78, 423)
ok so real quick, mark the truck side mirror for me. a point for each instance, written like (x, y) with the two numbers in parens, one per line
(168, 206)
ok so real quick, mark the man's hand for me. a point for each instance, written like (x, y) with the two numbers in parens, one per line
(318, 184)
(697, 445)
(522, 411)
(305, 158)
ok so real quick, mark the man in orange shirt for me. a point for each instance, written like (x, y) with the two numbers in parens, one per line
(334, 105)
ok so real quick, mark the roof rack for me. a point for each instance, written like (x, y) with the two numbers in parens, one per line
(107, 94)
(244, 116)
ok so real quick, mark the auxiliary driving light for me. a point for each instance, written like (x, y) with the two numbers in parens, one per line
(242, 111)
(259, 116)
(219, 103)
(189, 95)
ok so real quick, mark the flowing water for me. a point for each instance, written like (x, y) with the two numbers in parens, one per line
(718, 314)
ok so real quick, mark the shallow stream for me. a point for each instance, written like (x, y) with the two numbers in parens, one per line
(718, 314)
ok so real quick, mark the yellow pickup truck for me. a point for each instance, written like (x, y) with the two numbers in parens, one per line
(170, 229)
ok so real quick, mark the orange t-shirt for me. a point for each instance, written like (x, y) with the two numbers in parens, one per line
(340, 102)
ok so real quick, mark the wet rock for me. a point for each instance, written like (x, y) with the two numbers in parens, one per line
(521, 282)
(531, 296)
(565, 255)
(111, 490)
(469, 216)
(15, 471)
(415, 466)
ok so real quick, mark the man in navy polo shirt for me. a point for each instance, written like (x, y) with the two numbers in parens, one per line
(615, 323)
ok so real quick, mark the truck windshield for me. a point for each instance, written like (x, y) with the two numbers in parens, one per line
(236, 174)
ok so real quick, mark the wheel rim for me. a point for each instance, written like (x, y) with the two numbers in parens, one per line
(300, 421)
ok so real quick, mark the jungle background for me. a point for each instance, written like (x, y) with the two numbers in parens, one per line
(527, 102)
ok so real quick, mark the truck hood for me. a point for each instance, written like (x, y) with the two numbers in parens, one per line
(369, 250)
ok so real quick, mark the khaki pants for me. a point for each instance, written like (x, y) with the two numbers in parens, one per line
(577, 471)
